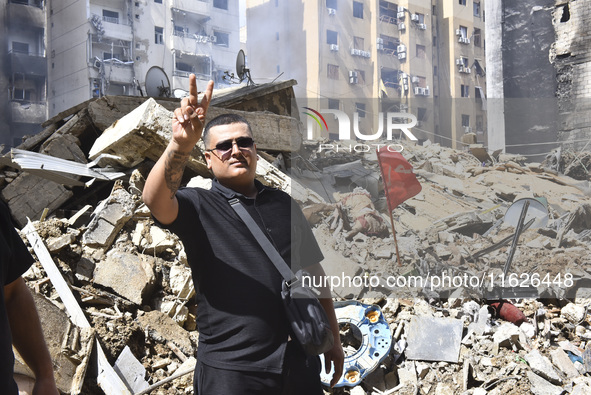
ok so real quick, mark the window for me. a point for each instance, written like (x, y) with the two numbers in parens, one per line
(110, 16)
(421, 52)
(332, 37)
(358, 43)
(462, 2)
(464, 61)
(360, 109)
(334, 104)
(358, 9)
(109, 55)
(179, 31)
(390, 44)
(476, 38)
(221, 4)
(465, 90)
(434, 41)
(422, 114)
(464, 31)
(158, 1)
(222, 39)
(20, 47)
(388, 12)
(332, 71)
(477, 9)
(360, 77)
(180, 66)
(479, 123)
(331, 4)
(421, 17)
(158, 35)
(422, 82)
(390, 77)
(465, 120)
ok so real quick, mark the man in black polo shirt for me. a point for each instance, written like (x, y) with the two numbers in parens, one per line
(243, 330)
(19, 322)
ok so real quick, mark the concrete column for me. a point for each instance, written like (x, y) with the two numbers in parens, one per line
(494, 75)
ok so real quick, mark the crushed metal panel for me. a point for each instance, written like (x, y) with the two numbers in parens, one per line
(434, 339)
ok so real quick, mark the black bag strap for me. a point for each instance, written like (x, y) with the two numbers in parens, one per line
(263, 241)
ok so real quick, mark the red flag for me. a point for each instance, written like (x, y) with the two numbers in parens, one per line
(400, 183)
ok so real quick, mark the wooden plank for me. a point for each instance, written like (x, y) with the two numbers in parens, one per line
(107, 378)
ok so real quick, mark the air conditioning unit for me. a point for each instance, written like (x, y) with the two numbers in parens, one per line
(414, 18)
(466, 129)
(400, 8)
(334, 47)
(400, 15)
(380, 40)
(356, 52)
(458, 32)
(331, 11)
(459, 62)
(427, 92)
(401, 48)
(418, 90)
(401, 55)
(353, 77)
(422, 26)
(380, 47)
(466, 40)
(401, 26)
(467, 70)
(366, 54)
(415, 80)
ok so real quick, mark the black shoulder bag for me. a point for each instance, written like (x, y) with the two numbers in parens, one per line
(309, 322)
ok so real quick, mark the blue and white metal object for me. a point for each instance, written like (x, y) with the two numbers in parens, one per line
(376, 341)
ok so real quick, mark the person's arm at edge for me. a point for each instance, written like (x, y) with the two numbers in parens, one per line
(165, 177)
(27, 335)
(336, 355)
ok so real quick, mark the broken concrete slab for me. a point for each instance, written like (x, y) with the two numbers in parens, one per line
(163, 328)
(28, 195)
(561, 360)
(539, 386)
(109, 217)
(129, 275)
(152, 239)
(542, 366)
(441, 342)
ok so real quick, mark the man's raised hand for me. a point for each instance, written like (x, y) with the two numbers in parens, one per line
(188, 120)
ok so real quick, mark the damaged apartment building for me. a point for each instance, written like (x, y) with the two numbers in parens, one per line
(61, 53)
(539, 87)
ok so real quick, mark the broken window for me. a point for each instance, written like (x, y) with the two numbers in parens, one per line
(158, 35)
(388, 12)
(421, 52)
(465, 120)
(18, 47)
(477, 9)
(390, 44)
(477, 36)
(180, 66)
(332, 37)
(179, 31)
(358, 43)
(221, 4)
(465, 90)
(360, 109)
(358, 9)
(390, 77)
(110, 16)
(332, 71)
(478, 68)
(222, 39)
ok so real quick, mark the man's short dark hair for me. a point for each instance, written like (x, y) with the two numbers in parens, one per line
(224, 119)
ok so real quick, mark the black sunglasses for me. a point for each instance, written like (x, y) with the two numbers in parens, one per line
(224, 147)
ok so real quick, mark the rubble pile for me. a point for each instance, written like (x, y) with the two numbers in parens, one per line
(132, 283)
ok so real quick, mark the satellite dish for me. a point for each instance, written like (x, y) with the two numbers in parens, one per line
(157, 83)
(241, 71)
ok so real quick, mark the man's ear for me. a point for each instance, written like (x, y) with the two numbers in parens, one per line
(207, 156)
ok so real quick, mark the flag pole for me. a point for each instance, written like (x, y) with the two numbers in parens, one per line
(394, 234)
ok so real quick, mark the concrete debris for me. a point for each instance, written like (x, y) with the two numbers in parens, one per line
(134, 290)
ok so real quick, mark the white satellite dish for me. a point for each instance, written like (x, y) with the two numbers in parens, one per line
(157, 83)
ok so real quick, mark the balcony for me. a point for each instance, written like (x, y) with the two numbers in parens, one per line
(26, 12)
(114, 28)
(28, 63)
(27, 112)
(194, 6)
